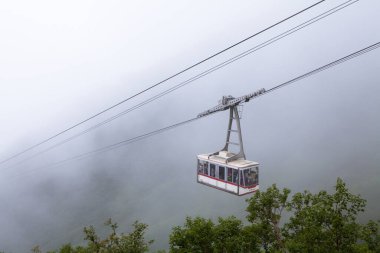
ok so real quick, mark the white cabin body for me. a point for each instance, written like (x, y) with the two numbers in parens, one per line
(239, 176)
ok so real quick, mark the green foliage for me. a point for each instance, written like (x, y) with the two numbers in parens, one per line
(36, 249)
(201, 235)
(227, 235)
(370, 234)
(324, 222)
(195, 236)
(133, 242)
(317, 223)
(250, 241)
(264, 212)
(320, 222)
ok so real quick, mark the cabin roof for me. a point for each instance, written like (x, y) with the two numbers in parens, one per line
(223, 155)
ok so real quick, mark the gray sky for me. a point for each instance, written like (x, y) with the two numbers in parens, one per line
(61, 62)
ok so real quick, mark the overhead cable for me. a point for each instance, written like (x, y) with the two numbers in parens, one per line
(198, 76)
(119, 144)
(327, 66)
(149, 134)
(160, 82)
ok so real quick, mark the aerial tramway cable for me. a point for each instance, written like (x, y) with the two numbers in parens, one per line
(152, 133)
(160, 82)
(196, 77)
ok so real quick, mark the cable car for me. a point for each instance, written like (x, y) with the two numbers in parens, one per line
(225, 170)
(239, 177)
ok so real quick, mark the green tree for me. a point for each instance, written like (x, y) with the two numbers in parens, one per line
(325, 222)
(228, 235)
(67, 248)
(133, 242)
(264, 212)
(370, 234)
(250, 242)
(320, 222)
(195, 236)
(36, 249)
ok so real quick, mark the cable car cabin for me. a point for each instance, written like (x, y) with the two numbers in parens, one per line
(225, 170)
(239, 176)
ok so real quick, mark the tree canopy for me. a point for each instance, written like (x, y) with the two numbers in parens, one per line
(315, 223)
(133, 242)
(319, 222)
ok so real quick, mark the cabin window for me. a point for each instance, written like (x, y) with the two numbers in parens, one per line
(241, 178)
(202, 167)
(199, 166)
(229, 174)
(256, 173)
(235, 176)
(205, 169)
(212, 170)
(251, 176)
(222, 172)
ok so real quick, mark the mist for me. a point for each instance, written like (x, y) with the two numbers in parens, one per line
(62, 63)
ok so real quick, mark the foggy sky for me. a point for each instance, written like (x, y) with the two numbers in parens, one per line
(63, 62)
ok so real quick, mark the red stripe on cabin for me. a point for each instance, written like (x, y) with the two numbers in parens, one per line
(227, 182)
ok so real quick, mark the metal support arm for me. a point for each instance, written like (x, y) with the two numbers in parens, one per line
(229, 102)
(234, 115)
